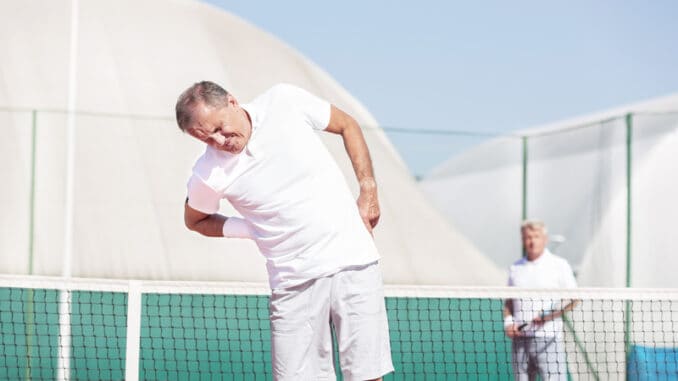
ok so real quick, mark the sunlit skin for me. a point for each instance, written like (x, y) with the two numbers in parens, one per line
(223, 128)
(534, 242)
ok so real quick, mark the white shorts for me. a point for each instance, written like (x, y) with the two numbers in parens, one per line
(301, 340)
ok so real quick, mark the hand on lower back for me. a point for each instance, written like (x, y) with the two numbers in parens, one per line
(368, 206)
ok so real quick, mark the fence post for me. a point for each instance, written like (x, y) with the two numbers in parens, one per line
(524, 190)
(31, 249)
(524, 186)
(629, 163)
(31, 207)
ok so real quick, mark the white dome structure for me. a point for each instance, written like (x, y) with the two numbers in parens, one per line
(121, 74)
(577, 183)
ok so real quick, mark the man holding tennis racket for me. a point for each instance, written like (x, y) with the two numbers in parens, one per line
(535, 325)
(265, 158)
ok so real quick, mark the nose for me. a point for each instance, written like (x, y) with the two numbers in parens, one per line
(218, 138)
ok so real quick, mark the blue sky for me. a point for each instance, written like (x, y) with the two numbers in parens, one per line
(482, 66)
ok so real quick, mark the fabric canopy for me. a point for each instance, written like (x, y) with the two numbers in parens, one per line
(131, 163)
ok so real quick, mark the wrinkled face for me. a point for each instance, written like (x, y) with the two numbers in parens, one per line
(223, 128)
(534, 241)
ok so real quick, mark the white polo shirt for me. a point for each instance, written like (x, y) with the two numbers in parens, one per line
(288, 187)
(547, 271)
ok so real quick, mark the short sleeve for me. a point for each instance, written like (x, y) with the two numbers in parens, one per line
(316, 111)
(202, 197)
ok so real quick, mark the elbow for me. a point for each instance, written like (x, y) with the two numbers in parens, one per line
(350, 126)
(193, 219)
(342, 123)
(191, 224)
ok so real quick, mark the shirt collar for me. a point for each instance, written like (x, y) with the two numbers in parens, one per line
(541, 258)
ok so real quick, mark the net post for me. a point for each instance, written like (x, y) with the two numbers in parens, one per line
(133, 331)
(64, 352)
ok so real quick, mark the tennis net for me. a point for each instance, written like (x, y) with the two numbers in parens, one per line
(52, 328)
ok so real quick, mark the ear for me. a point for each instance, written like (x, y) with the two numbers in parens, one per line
(232, 101)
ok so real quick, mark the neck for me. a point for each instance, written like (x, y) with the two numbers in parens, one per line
(535, 257)
(247, 114)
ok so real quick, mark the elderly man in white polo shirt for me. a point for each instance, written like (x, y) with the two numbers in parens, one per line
(266, 159)
(536, 326)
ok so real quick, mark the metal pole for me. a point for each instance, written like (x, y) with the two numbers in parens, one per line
(629, 163)
(64, 353)
(524, 186)
(31, 223)
(524, 190)
(31, 246)
(70, 145)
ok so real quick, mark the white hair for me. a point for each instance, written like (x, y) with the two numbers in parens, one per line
(533, 225)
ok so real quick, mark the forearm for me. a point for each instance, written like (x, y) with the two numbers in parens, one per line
(510, 327)
(368, 200)
(358, 153)
(216, 225)
(356, 147)
(559, 313)
(210, 226)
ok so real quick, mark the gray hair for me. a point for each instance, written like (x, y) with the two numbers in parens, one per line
(205, 92)
(533, 225)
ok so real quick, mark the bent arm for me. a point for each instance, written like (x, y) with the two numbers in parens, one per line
(559, 313)
(210, 225)
(216, 225)
(354, 142)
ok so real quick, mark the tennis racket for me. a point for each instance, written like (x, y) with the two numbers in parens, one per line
(557, 307)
